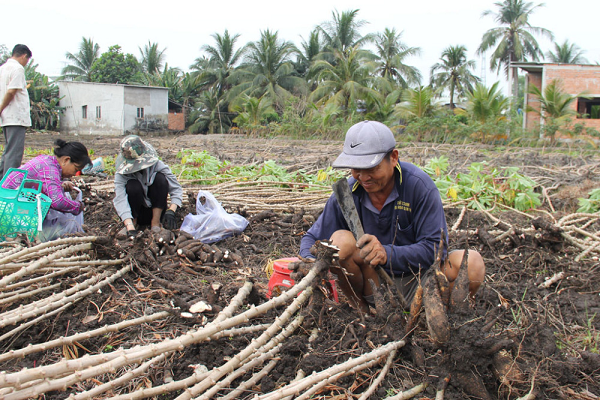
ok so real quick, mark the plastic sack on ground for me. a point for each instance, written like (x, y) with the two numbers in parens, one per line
(57, 223)
(212, 223)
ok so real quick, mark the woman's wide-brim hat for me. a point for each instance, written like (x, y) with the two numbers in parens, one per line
(135, 155)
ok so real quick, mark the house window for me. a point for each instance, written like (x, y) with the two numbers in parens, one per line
(140, 113)
(588, 108)
(84, 112)
(98, 112)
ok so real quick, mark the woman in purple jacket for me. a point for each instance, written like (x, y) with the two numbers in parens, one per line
(53, 171)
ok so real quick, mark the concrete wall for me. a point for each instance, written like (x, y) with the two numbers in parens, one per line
(154, 101)
(76, 95)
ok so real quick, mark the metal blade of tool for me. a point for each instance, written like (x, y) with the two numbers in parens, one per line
(344, 199)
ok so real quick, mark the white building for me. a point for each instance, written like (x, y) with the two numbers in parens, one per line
(112, 109)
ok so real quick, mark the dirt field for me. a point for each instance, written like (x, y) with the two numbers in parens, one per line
(519, 337)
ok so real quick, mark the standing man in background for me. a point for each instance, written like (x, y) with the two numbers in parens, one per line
(14, 107)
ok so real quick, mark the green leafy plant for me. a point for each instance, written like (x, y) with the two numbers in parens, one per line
(43, 99)
(483, 187)
(591, 204)
(115, 67)
(201, 166)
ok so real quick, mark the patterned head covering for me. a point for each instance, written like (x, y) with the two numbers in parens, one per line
(135, 155)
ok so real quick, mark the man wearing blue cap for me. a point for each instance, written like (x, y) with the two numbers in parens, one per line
(402, 215)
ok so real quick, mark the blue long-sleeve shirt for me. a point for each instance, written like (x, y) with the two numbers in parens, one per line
(408, 226)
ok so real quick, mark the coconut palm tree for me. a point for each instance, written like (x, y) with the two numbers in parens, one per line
(554, 102)
(81, 62)
(152, 58)
(267, 70)
(555, 107)
(342, 33)
(345, 81)
(309, 52)
(210, 115)
(454, 72)
(382, 108)
(222, 59)
(514, 40)
(169, 78)
(252, 111)
(417, 103)
(391, 53)
(486, 104)
(566, 53)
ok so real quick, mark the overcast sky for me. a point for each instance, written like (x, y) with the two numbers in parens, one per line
(52, 28)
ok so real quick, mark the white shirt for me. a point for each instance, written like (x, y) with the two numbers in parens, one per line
(12, 76)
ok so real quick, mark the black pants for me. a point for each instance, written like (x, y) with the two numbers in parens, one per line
(157, 193)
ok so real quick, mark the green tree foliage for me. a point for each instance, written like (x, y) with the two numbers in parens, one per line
(486, 105)
(345, 81)
(169, 78)
(222, 59)
(382, 108)
(115, 67)
(210, 114)
(309, 53)
(391, 55)
(566, 53)
(453, 73)
(253, 112)
(80, 63)
(152, 58)
(555, 107)
(417, 103)
(554, 102)
(267, 71)
(43, 98)
(514, 40)
(342, 32)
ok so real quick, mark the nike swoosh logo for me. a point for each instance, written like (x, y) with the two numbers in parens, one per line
(353, 145)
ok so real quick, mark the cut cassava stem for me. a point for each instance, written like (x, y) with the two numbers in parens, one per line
(227, 312)
(128, 376)
(329, 380)
(81, 336)
(58, 242)
(246, 367)
(311, 380)
(103, 363)
(42, 262)
(252, 381)
(375, 384)
(68, 296)
(236, 360)
(409, 394)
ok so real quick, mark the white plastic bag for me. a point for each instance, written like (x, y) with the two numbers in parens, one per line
(212, 223)
(57, 223)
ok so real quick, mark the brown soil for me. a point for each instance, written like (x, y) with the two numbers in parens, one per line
(540, 329)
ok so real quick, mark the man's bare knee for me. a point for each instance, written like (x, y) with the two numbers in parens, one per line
(475, 266)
